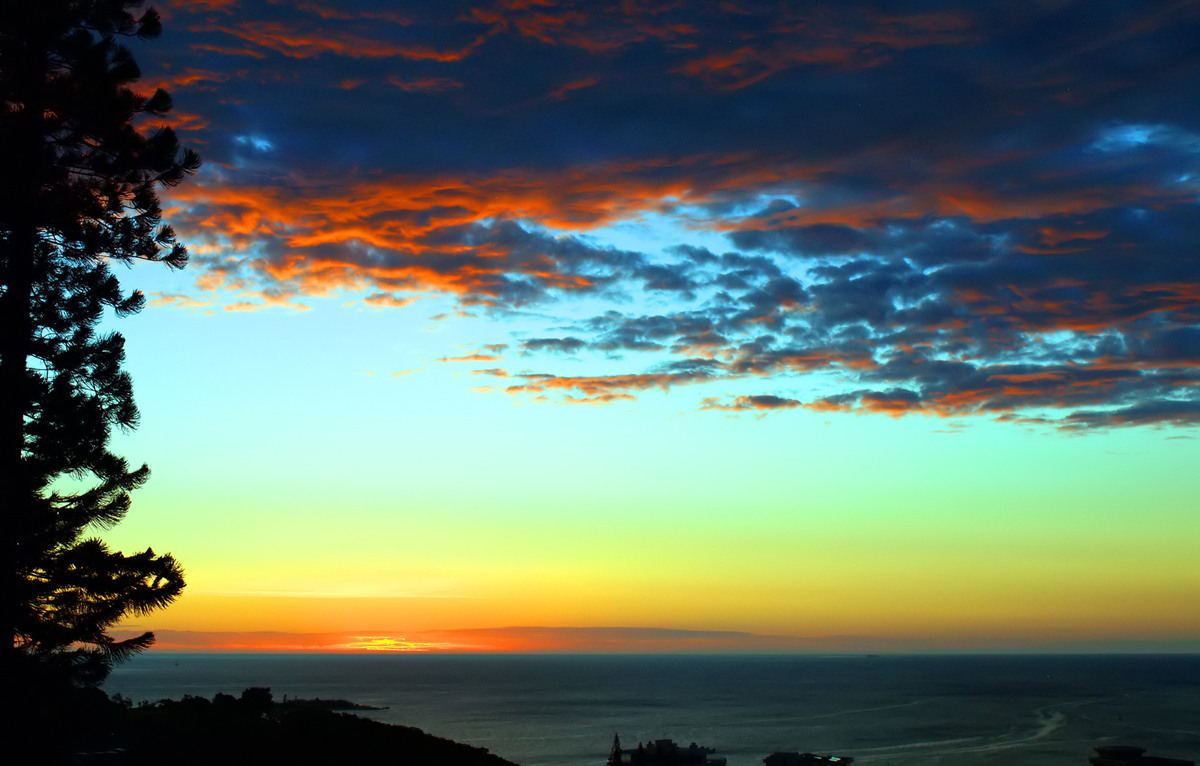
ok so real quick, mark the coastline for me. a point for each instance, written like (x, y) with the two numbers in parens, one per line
(557, 710)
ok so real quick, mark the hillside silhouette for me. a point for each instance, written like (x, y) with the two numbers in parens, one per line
(254, 730)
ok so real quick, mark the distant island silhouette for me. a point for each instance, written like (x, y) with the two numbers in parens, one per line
(322, 704)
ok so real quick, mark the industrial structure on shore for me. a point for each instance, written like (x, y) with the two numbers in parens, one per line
(665, 752)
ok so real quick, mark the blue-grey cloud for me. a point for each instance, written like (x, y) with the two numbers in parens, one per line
(946, 208)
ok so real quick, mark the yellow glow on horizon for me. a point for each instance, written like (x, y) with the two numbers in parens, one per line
(391, 644)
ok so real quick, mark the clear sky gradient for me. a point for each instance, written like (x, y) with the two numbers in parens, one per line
(533, 325)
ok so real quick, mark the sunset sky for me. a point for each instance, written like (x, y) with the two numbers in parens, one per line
(657, 325)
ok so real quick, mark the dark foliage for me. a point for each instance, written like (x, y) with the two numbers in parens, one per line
(82, 160)
(255, 731)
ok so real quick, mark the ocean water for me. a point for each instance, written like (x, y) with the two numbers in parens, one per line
(563, 710)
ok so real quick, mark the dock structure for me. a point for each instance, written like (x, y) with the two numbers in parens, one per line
(662, 752)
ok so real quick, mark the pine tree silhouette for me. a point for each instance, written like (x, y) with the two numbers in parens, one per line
(615, 756)
(79, 193)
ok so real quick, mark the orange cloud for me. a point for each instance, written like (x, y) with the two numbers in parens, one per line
(379, 300)
(178, 300)
(408, 220)
(199, 6)
(326, 11)
(424, 84)
(561, 92)
(792, 40)
(1056, 235)
(183, 122)
(594, 27)
(190, 77)
(598, 389)
(470, 358)
(300, 41)
(226, 50)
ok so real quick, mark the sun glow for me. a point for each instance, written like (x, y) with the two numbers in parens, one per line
(391, 644)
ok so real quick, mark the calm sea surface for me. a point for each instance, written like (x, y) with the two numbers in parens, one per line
(556, 710)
